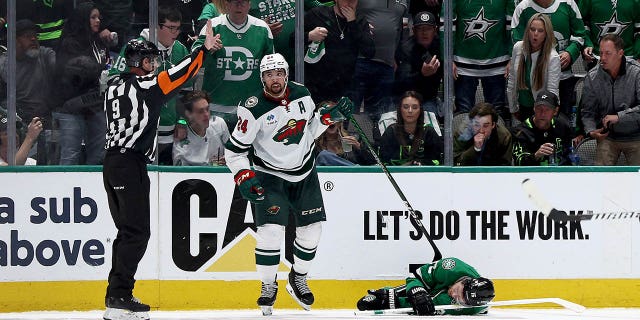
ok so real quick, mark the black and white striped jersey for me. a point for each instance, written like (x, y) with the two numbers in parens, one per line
(132, 104)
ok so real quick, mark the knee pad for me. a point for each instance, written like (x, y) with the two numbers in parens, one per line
(308, 236)
(269, 236)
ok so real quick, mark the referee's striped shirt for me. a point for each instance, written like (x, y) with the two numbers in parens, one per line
(132, 104)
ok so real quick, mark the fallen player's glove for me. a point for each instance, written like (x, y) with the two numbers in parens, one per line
(421, 301)
(249, 185)
(338, 112)
(378, 300)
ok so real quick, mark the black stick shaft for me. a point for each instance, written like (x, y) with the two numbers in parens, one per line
(437, 255)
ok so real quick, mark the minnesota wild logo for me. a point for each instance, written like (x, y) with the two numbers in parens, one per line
(291, 132)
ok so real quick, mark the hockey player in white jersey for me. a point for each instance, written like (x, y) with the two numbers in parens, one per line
(278, 126)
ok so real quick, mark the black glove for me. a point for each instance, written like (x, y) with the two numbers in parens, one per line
(421, 301)
(378, 300)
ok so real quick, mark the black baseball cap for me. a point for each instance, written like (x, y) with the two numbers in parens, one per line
(25, 25)
(4, 120)
(547, 98)
(425, 18)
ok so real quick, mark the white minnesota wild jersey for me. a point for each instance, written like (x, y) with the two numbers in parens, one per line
(282, 134)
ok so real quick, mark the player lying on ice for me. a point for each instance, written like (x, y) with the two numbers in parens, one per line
(444, 282)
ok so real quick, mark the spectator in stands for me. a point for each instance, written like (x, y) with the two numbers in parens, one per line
(210, 10)
(482, 141)
(171, 52)
(22, 154)
(340, 35)
(190, 11)
(602, 17)
(48, 15)
(433, 6)
(543, 139)
(336, 147)
(206, 134)
(79, 111)
(568, 28)
(117, 16)
(610, 110)
(373, 77)
(419, 68)
(481, 47)
(231, 72)
(536, 67)
(409, 142)
(281, 18)
(35, 67)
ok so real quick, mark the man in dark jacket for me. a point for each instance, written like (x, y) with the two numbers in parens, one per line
(419, 65)
(336, 35)
(482, 141)
(542, 139)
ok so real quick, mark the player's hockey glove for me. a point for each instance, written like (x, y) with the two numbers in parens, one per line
(378, 300)
(338, 112)
(249, 185)
(421, 301)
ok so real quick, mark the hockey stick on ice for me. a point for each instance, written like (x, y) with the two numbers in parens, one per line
(557, 215)
(564, 303)
(437, 255)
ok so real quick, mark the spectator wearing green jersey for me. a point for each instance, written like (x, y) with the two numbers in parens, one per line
(231, 72)
(481, 48)
(604, 16)
(281, 18)
(443, 282)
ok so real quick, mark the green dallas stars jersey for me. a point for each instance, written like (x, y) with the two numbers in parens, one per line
(283, 11)
(566, 19)
(233, 73)
(482, 43)
(280, 134)
(437, 277)
(621, 17)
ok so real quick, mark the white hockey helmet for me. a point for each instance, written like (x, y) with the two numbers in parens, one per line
(272, 62)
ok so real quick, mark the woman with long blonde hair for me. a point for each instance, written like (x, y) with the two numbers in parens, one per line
(536, 64)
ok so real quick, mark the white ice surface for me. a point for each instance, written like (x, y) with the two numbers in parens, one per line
(495, 313)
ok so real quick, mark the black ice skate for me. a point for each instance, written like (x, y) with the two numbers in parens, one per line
(268, 297)
(129, 308)
(299, 290)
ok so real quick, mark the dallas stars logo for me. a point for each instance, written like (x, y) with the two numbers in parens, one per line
(478, 26)
(614, 26)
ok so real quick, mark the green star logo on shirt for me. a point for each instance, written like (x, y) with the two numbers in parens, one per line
(478, 26)
(614, 26)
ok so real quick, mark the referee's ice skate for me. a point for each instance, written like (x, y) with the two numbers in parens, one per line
(129, 308)
(299, 290)
(268, 297)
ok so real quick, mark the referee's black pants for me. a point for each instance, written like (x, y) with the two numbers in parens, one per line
(127, 185)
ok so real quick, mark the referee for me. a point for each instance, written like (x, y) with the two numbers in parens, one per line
(132, 106)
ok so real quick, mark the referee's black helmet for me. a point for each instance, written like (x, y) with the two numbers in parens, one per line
(137, 50)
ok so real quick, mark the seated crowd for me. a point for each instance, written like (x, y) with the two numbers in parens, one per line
(549, 80)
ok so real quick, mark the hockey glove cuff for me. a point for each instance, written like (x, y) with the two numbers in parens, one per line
(249, 185)
(421, 301)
